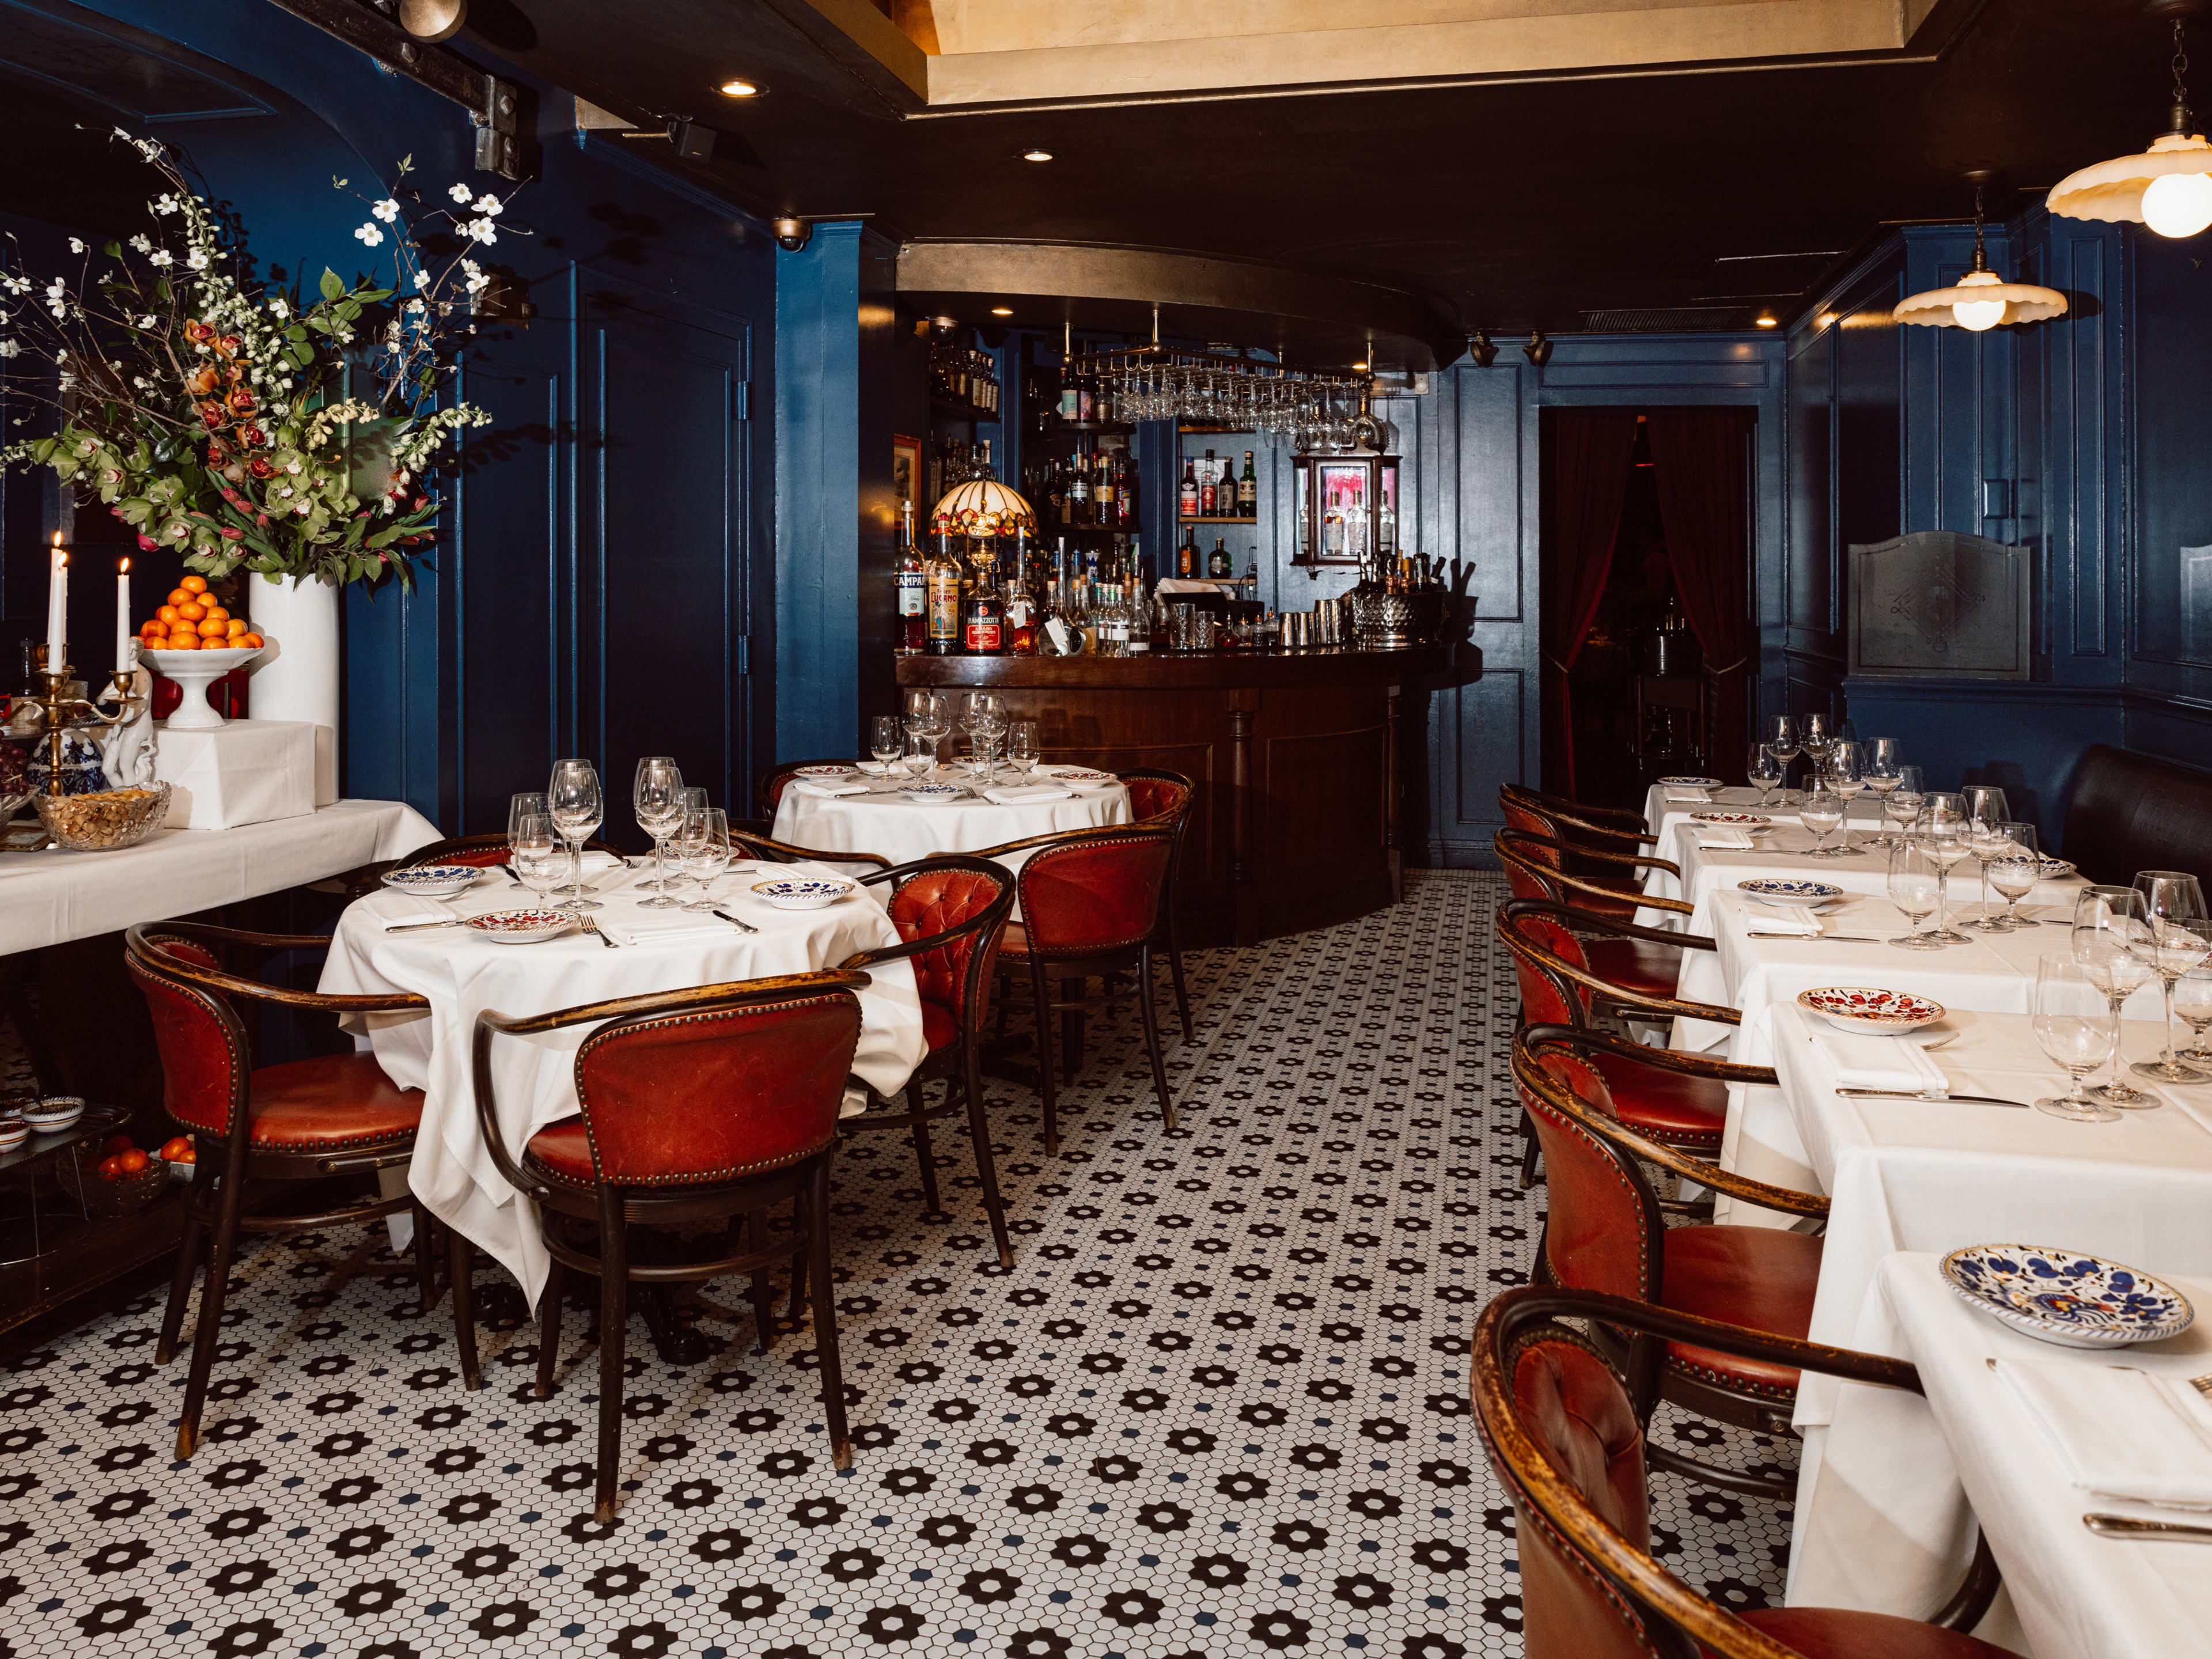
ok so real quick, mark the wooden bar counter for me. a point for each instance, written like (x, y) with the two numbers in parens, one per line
(1295, 756)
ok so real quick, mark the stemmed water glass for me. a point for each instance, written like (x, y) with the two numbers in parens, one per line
(1022, 753)
(1986, 809)
(703, 847)
(938, 720)
(573, 794)
(1881, 773)
(2192, 999)
(2109, 926)
(1783, 738)
(2173, 942)
(527, 806)
(2078, 1029)
(1764, 769)
(920, 757)
(883, 740)
(656, 796)
(1816, 735)
(1821, 811)
(1845, 778)
(2013, 869)
(1901, 805)
(1942, 831)
(1915, 886)
(533, 847)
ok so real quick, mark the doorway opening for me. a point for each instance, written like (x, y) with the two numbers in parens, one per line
(1649, 640)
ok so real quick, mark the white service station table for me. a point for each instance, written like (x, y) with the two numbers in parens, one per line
(1889, 1527)
(464, 973)
(887, 822)
(51, 896)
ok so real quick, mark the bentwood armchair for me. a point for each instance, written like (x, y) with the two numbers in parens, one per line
(1538, 867)
(1569, 1446)
(305, 1120)
(1555, 815)
(714, 1103)
(1164, 798)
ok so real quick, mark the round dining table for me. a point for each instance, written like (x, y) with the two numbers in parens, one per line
(464, 973)
(867, 811)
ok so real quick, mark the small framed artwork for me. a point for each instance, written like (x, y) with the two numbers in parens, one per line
(906, 470)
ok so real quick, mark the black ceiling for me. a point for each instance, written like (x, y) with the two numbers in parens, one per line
(1509, 205)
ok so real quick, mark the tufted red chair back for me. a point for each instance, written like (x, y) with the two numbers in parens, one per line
(1540, 991)
(203, 1053)
(1567, 1401)
(1156, 798)
(481, 858)
(934, 902)
(1094, 895)
(701, 1098)
(1520, 816)
(1597, 1236)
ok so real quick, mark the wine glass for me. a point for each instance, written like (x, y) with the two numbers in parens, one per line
(2108, 924)
(1845, 778)
(2192, 999)
(1782, 735)
(578, 806)
(2173, 900)
(2077, 1030)
(1915, 886)
(920, 757)
(525, 806)
(936, 720)
(657, 798)
(1764, 769)
(983, 734)
(1942, 831)
(694, 800)
(533, 847)
(1901, 805)
(1022, 753)
(1821, 811)
(1985, 809)
(883, 740)
(2013, 869)
(703, 847)
(1881, 774)
(1814, 735)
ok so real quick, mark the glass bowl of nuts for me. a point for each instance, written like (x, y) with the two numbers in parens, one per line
(105, 821)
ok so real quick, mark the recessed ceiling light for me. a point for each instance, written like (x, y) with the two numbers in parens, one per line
(738, 86)
(1002, 311)
(1768, 320)
(1359, 366)
(1033, 154)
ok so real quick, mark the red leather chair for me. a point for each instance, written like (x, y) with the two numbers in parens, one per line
(1572, 820)
(1537, 866)
(951, 912)
(1090, 903)
(1164, 798)
(1613, 965)
(751, 834)
(1605, 1231)
(305, 1120)
(712, 1103)
(1569, 1447)
(1560, 985)
(777, 779)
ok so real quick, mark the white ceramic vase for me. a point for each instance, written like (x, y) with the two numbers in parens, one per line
(297, 676)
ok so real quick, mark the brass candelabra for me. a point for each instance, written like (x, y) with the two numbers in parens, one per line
(65, 713)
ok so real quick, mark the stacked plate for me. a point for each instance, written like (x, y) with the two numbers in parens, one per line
(2073, 1300)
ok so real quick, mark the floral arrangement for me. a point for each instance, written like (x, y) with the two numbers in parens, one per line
(241, 424)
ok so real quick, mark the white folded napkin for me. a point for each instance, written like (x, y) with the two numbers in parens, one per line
(829, 791)
(2123, 1432)
(1678, 796)
(1881, 1062)
(1719, 835)
(1052, 770)
(1036, 791)
(875, 769)
(662, 927)
(1782, 919)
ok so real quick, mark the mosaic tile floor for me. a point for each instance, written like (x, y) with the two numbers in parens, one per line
(1219, 1407)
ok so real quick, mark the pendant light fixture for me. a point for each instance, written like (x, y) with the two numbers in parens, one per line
(1981, 299)
(2169, 186)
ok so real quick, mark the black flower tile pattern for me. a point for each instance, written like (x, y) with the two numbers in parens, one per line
(1217, 1407)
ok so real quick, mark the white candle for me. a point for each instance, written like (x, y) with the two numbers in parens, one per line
(123, 629)
(57, 608)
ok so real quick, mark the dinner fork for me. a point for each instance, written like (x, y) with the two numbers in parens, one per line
(593, 928)
(2127, 1526)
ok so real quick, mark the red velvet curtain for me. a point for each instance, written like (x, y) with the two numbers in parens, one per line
(1701, 461)
(1590, 450)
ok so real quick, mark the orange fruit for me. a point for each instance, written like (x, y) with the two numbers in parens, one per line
(176, 1146)
(216, 610)
(209, 629)
(234, 626)
(111, 1169)
(193, 584)
(192, 610)
(177, 596)
(183, 642)
(153, 631)
(167, 613)
(118, 1142)
(251, 641)
(129, 1162)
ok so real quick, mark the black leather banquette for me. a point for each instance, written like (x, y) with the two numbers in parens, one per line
(2129, 813)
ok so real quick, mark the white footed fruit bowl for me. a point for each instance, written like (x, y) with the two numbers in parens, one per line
(194, 671)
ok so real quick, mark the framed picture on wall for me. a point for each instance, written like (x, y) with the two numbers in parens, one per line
(906, 470)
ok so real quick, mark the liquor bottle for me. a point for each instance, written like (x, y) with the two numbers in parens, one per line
(1084, 400)
(1125, 490)
(983, 619)
(913, 590)
(942, 577)
(1187, 496)
(1079, 490)
(1101, 491)
(1022, 616)
(1209, 489)
(1248, 491)
(1217, 564)
(1186, 560)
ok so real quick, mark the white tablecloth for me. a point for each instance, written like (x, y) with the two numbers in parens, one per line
(463, 974)
(883, 821)
(47, 897)
(1665, 820)
(243, 772)
(1888, 1526)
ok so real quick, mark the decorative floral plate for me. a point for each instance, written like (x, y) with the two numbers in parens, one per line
(1729, 817)
(802, 893)
(1787, 889)
(520, 927)
(824, 771)
(2057, 869)
(1867, 1010)
(1690, 783)
(1082, 775)
(932, 794)
(431, 880)
(2059, 1295)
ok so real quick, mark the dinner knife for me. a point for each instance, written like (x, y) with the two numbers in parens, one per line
(1933, 1100)
(2126, 1526)
(411, 926)
(1841, 938)
(739, 921)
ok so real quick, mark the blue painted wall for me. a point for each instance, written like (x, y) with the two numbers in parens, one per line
(603, 583)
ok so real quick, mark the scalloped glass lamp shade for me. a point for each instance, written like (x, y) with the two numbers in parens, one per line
(1982, 300)
(983, 507)
(2167, 187)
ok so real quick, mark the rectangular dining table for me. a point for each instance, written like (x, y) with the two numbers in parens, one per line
(1889, 1524)
(462, 973)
